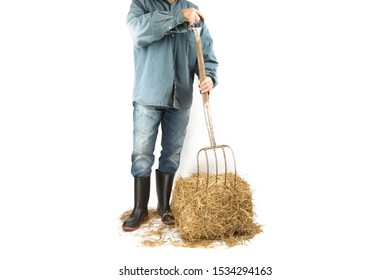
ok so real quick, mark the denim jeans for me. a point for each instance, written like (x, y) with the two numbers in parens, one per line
(146, 121)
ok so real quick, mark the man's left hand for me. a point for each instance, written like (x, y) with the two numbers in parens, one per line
(206, 86)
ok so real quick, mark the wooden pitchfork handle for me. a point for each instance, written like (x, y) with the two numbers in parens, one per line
(202, 77)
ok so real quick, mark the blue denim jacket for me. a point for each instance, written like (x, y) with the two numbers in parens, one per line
(164, 53)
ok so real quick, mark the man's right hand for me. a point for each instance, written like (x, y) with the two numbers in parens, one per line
(192, 15)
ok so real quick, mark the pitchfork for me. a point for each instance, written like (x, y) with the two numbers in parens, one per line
(207, 113)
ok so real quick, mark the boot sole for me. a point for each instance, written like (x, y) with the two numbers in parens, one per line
(124, 228)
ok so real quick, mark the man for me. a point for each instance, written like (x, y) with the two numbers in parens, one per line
(165, 66)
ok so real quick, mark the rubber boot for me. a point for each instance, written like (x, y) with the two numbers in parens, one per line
(164, 184)
(141, 199)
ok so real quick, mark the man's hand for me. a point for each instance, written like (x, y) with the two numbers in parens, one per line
(192, 15)
(206, 86)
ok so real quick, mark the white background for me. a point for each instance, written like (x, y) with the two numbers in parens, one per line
(303, 100)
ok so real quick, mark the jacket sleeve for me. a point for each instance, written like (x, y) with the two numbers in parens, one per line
(148, 27)
(210, 60)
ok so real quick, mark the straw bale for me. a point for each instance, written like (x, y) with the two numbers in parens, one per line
(213, 208)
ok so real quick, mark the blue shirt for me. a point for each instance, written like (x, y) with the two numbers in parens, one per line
(164, 53)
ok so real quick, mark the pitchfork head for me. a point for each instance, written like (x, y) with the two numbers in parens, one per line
(217, 152)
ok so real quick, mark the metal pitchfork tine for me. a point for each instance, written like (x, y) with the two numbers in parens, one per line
(209, 123)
